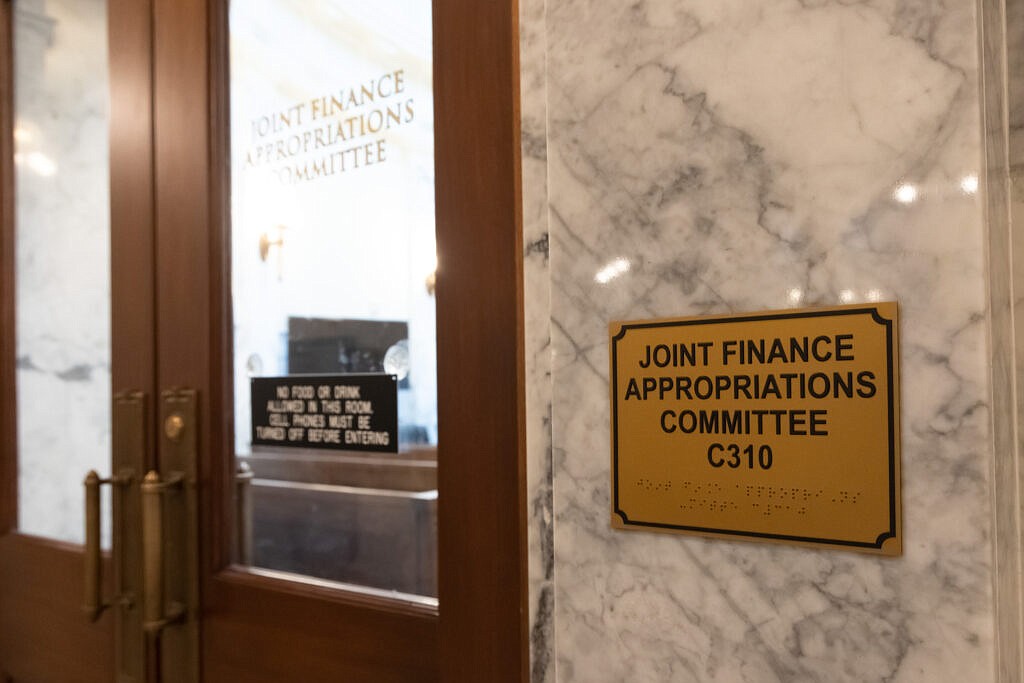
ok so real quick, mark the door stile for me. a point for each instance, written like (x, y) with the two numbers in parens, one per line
(8, 418)
(183, 311)
(132, 267)
(481, 399)
(220, 472)
(182, 218)
(132, 204)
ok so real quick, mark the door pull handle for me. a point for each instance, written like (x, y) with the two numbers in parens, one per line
(154, 541)
(156, 613)
(94, 603)
(128, 448)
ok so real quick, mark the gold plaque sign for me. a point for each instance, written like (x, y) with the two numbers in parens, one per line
(779, 426)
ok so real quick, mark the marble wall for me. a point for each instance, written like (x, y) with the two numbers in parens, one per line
(700, 157)
(537, 292)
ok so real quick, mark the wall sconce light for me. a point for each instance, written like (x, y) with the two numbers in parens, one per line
(266, 243)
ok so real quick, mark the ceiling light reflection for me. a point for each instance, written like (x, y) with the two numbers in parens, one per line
(41, 164)
(874, 295)
(22, 135)
(611, 271)
(846, 296)
(969, 184)
(795, 295)
(905, 193)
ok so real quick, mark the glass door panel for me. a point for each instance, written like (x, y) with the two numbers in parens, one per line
(62, 262)
(333, 259)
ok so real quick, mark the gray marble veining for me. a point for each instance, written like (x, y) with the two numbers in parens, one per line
(1002, 47)
(537, 292)
(708, 157)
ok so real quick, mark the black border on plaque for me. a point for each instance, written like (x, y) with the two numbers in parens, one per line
(876, 316)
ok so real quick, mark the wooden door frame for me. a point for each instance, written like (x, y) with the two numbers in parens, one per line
(481, 633)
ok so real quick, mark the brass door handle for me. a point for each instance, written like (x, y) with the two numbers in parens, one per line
(156, 614)
(155, 540)
(94, 603)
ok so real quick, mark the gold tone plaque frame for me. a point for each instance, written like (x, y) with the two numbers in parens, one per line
(778, 426)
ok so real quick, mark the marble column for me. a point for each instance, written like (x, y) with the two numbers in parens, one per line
(703, 157)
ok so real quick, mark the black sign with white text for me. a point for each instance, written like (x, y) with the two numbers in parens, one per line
(337, 412)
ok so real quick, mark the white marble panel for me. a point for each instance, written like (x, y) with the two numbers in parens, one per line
(537, 295)
(1003, 88)
(1007, 28)
(1005, 530)
(736, 156)
(62, 259)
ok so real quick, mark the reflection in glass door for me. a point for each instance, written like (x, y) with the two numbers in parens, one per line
(62, 263)
(333, 258)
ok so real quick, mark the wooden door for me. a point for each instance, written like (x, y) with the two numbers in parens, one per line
(44, 633)
(171, 322)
